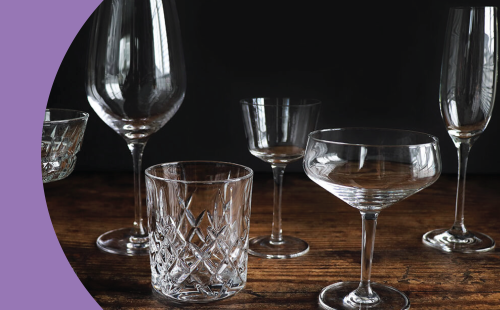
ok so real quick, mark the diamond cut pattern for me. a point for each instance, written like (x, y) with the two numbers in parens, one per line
(198, 252)
(60, 142)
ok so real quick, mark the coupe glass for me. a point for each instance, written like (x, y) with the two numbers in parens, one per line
(135, 83)
(468, 82)
(370, 169)
(277, 129)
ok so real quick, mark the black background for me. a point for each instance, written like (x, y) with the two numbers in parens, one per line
(374, 65)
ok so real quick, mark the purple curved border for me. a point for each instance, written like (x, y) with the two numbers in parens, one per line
(35, 37)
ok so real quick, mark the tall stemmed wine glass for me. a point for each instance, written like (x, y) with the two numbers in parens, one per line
(468, 83)
(135, 83)
(370, 169)
(276, 130)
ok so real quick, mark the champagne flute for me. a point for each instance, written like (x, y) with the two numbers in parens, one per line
(276, 130)
(370, 169)
(135, 83)
(467, 94)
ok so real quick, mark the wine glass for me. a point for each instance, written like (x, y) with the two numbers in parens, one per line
(467, 94)
(370, 169)
(135, 83)
(276, 130)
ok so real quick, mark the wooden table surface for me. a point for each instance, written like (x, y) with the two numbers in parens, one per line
(87, 204)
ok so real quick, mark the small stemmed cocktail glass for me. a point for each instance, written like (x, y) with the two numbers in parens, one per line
(370, 169)
(277, 129)
(467, 95)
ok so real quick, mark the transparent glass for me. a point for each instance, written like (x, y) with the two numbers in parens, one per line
(276, 130)
(135, 83)
(370, 169)
(62, 136)
(467, 94)
(198, 219)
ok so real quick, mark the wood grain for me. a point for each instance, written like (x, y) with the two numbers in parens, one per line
(87, 204)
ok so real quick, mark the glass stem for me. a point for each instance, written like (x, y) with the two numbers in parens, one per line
(137, 149)
(276, 233)
(364, 292)
(463, 148)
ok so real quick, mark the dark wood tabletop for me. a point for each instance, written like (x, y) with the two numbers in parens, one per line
(85, 205)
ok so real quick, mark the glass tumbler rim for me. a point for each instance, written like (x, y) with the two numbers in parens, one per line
(230, 180)
(79, 115)
(310, 101)
(434, 139)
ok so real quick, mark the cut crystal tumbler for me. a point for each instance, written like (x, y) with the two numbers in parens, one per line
(198, 220)
(62, 137)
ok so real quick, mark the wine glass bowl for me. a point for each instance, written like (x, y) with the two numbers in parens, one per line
(276, 131)
(370, 170)
(135, 83)
(467, 95)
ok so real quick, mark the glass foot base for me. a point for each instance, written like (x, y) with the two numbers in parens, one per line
(473, 243)
(122, 241)
(336, 297)
(288, 248)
